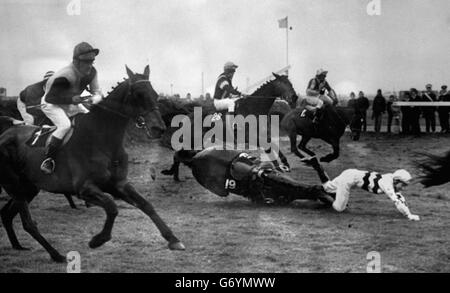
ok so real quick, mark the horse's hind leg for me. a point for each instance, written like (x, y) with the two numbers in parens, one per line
(131, 196)
(93, 195)
(30, 226)
(8, 213)
(70, 200)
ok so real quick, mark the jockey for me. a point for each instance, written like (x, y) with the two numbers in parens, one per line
(31, 96)
(225, 95)
(318, 93)
(390, 184)
(62, 97)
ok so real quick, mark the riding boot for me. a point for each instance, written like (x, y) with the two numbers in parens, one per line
(48, 165)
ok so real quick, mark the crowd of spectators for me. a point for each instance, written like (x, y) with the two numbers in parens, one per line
(410, 116)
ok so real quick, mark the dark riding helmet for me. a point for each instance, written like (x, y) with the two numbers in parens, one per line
(84, 51)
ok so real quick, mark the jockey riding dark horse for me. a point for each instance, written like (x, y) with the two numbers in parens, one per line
(90, 165)
(229, 171)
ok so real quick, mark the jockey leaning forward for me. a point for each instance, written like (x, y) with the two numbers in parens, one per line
(225, 95)
(29, 101)
(62, 97)
(318, 92)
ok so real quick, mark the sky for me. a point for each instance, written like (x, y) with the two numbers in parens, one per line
(407, 45)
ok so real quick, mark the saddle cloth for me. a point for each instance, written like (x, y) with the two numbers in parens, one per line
(41, 136)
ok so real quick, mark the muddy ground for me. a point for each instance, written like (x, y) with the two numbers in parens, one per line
(233, 235)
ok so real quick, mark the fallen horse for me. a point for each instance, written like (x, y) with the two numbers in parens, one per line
(229, 171)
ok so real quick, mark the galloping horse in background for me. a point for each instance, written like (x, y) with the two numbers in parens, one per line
(92, 163)
(261, 102)
(330, 128)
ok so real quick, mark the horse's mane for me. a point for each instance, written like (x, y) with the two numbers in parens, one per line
(268, 83)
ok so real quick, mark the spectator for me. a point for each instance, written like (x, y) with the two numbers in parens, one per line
(378, 107)
(188, 97)
(429, 112)
(406, 114)
(352, 101)
(415, 111)
(392, 111)
(208, 97)
(444, 96)
(362, 104)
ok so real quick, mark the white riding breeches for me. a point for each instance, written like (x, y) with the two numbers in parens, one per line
(59, 115)
(225, 104)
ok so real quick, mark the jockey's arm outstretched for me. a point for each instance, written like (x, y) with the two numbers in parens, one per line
(390, 184)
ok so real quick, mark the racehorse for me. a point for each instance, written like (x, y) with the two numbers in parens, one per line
(258, 103)
(91, 164)
(230, 171)
(330, 128)
(436, 169)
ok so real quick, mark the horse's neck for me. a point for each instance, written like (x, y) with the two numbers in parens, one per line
(266, 89)
(108, 122)
(339, 116)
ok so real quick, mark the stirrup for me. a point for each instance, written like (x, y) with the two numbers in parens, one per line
(48, 166)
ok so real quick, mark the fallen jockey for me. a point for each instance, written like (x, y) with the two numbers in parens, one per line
(390, 184)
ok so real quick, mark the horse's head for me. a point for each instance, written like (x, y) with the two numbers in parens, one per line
(285, 90)
(141, 102)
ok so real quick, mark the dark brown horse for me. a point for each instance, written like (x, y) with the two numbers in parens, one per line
(330, 128)
(261, 102)
(435, 169)
(91, 164)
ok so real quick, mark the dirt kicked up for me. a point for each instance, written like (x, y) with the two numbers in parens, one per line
(233, 235)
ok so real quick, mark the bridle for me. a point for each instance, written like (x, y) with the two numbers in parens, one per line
(140, 122)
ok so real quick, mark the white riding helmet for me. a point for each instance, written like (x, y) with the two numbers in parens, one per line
(402, 175)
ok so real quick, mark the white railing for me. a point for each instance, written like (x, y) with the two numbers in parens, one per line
(422, 104)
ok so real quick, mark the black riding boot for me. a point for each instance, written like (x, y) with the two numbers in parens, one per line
(48, 165)
(317, 116)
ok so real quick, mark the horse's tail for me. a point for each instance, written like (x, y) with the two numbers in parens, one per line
(435, 169)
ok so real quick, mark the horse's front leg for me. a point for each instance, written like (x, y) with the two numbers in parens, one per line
(93, 195)
(127, 193)
(294, 149)
(334, 155)
(303, 143)
(174, 170)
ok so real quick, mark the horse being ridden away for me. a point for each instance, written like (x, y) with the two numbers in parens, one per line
(330, 128)
(278, 87)
(92, 163)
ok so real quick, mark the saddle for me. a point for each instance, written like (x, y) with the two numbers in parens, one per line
(41, 136)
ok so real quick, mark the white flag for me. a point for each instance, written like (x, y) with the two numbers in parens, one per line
(283, 23)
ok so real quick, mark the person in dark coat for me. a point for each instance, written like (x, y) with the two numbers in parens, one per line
(362, 104)
(429, 112)
(415, 111)
(378, 108)
(390, 112)
(352, 101)
(406, 114)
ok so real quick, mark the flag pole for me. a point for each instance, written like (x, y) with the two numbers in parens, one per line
(287, 42)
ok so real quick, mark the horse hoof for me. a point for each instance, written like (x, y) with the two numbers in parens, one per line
(59, 258)
(325, 160)
(20, 247)
(177, 246)
(166, 172)
(98, 241)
